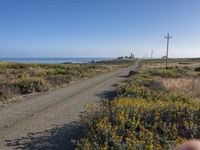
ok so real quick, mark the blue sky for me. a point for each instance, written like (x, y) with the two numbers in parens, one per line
(98, 28)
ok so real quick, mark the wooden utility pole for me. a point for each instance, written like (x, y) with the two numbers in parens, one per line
(167, 37)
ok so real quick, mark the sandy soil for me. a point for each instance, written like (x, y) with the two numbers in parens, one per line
(51, 120)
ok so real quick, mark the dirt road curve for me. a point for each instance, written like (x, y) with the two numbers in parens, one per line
(49, 121)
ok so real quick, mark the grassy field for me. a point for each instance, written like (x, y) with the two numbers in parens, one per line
(156, 109)
(18, 79)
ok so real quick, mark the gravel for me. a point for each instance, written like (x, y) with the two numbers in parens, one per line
(50, 121)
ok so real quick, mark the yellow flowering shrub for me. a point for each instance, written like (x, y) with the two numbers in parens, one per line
(144, 116)
(129, 123)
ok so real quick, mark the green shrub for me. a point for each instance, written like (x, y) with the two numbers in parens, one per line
(144, 116)
(147, 87)
(17, 66)
(92, 66)
(131, 90)
(30, 85)
(7, 91)
(5, 94)
(197, 69)
(149, 91)
(17, 75)
(139, 124)
(184, 63)
(133, 72)
(170, 72)
(58, 79)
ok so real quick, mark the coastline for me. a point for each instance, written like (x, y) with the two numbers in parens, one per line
(78, 60)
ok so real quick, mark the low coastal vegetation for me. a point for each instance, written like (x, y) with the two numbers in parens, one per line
(19, 78)
(156, 109)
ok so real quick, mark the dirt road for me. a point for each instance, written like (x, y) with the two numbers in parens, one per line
(50, 121)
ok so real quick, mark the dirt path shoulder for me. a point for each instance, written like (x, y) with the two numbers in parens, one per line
(50, 121)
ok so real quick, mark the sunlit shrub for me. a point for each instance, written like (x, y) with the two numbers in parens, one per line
(17, 66)
(27, 78)
(148, 87)
(140, 124)
(29, 85)
(170, 72)
(145, 115)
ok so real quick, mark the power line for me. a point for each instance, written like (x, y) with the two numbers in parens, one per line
(167, 37)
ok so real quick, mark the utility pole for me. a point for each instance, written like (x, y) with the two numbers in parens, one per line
(167, 37)
(151, 54)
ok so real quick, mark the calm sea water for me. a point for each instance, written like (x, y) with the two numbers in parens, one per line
(52, 60)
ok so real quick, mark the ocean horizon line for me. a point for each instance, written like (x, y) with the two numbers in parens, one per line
(54, 60)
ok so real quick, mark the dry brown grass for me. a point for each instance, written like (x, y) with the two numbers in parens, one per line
(19, 78)
(189, 85)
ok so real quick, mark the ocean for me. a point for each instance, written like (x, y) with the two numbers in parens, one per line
(52, 60)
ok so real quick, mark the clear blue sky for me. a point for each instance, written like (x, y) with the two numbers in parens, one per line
(98, 28)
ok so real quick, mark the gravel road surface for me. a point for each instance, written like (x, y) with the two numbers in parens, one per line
(50, 121)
